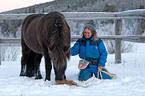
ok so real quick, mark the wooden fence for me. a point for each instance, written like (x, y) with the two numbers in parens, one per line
(116, 16)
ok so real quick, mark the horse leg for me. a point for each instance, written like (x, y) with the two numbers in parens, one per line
(23, 65)
(24, 59)
(30, 65)
(37, 61)
(48, 65)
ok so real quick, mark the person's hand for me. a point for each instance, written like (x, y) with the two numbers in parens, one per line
(100, 67)
(83, 65)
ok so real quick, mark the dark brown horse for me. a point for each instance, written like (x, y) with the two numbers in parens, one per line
(45, 35)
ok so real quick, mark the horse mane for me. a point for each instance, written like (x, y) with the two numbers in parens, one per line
(58, 35)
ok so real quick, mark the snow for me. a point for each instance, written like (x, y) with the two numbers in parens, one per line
(130, 79)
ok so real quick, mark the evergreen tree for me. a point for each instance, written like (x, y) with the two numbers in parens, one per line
(91, 22)
(29, 10)
(43, 11)
(26, 10)
(68, 7)
(108, 8)
(33, 10)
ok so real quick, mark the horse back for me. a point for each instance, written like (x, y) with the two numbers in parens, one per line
(29, 18)
(29, 32)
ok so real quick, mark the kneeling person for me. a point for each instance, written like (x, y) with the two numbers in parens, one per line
(92, 50)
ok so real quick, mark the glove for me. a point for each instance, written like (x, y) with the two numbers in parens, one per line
(83, 64)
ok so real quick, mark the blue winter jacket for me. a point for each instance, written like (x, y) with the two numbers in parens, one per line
(88, 49)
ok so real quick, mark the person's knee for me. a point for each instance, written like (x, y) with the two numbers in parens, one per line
(84, 75)
(83, 78)
(106, 76)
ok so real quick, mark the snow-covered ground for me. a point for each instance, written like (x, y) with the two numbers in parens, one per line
(130, 79)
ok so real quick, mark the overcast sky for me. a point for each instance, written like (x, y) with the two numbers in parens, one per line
(6, 5)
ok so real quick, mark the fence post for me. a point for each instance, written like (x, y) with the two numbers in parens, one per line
(118, 28)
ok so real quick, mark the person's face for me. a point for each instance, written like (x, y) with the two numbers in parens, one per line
(87, 33)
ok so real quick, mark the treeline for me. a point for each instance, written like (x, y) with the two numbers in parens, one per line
(82, 6)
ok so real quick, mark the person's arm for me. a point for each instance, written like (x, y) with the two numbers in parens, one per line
(103, 55)
(75, 49)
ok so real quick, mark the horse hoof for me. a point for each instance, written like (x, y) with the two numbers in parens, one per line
(39, 77)
(47, 79)
(29, 75)
(22, 74)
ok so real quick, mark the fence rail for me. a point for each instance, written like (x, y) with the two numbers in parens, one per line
(132, 38)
